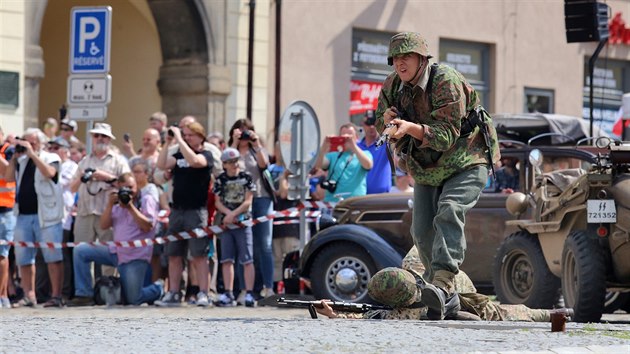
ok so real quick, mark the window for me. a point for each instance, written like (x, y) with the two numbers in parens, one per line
(472, 60)
(9, 89)
(538, 101)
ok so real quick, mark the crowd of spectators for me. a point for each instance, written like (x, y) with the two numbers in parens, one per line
(179, 179)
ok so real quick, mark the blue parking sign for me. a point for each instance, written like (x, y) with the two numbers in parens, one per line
(90, 32)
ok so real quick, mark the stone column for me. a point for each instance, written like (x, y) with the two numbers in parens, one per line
(34, 60)
(195, 89)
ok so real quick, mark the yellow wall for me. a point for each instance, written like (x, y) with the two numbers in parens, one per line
(12, 59)
(134, 65)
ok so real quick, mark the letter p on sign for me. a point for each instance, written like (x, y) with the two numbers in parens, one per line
(89, 28)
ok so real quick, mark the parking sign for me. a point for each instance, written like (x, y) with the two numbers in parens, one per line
(90, 32)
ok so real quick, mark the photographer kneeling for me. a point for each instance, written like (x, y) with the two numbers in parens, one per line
(132, 217)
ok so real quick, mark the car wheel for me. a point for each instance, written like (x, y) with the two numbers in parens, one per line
(341, 272)
(615, 300)
(583, 276)
(521, 275)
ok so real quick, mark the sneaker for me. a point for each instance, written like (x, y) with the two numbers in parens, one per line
(202, 299)
(266, 292)
(240, 300)
(160, 284)
(212, 296)
(78, 301)
(250, 301)
(25, 302)
(5, 303)
(54, 302)
(170, 299)
(226, 301)
(192, 300)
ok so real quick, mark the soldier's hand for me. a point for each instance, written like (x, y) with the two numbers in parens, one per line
(326, 310)
(402, 128)
(390, 113)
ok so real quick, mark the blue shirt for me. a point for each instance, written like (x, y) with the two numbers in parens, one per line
(347, 171)
(379, 179)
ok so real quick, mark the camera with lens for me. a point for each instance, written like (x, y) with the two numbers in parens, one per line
(328, 185)
(246, 135)
(19, 148)
(170, 131)
(124, 195)
(370, 118)
(87, 175)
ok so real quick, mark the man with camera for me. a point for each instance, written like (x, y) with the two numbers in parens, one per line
(96, 172)
(40, 209)
(133, 217)
(379, 179)
(347, 169)
(190, 167)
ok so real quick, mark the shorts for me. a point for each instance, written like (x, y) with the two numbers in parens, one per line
(87, 228)
(237, 242)
(7, 225)
(186, 220)
(27, 230)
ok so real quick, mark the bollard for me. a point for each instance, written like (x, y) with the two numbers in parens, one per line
(558, 322)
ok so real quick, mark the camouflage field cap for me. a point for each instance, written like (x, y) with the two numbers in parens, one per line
(394, 287)
(407, 42)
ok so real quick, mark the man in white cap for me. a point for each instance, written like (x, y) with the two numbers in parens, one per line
(68, 128)
(93, 180)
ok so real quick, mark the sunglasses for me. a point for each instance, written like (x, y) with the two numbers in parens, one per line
(53, 147)
(97, 135)
(64, 129)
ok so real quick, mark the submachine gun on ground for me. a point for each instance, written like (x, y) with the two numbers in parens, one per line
(335, 305)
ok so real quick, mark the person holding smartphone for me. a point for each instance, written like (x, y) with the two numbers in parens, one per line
(347, 169)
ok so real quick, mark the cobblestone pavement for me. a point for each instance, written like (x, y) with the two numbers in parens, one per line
(273, 330)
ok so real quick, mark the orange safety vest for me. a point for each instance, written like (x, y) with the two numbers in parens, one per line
(7, 189)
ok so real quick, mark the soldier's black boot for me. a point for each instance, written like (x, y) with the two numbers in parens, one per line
(439, 304)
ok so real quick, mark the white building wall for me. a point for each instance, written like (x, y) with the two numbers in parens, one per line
(12, 59)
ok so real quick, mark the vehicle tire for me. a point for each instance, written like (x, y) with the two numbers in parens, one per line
(615, 301)
(341, 271)
(521, 275)
(584, 276)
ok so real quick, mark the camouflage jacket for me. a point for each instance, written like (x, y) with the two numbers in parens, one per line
(443, 151)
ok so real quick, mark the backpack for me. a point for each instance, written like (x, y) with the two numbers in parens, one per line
(107, 291)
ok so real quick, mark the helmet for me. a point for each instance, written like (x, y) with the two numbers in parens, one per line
(407, 42)
(394, 287)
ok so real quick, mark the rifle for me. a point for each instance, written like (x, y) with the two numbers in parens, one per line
(476, 117)
(335, 305)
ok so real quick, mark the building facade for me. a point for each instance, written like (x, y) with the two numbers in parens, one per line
(191, 57)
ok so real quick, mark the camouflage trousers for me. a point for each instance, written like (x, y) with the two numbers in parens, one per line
(438, 223)
(476, 304)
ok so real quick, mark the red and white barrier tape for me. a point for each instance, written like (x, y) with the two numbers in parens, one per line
(183, 235)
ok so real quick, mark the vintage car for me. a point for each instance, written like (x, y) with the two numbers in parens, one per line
(373, 232)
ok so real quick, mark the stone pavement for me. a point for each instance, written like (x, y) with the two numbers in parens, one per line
(273, 330)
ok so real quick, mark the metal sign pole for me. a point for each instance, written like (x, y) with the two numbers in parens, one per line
(88, 137)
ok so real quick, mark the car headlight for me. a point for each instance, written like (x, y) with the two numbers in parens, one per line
(324, 221)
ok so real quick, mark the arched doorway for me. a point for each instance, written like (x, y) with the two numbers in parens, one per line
(159, 61)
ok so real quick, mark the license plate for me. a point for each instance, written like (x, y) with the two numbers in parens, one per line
(601, 211)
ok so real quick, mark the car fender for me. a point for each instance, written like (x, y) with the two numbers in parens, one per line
(382, 253)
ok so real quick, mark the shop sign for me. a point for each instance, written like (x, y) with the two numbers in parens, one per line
(363, 96)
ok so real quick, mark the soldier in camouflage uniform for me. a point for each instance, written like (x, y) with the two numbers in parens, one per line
(428, 107)
(400, 289)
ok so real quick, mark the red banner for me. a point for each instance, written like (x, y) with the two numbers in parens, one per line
(619, 33)
(363, 96)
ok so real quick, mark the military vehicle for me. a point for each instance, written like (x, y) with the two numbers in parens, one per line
(575, 236)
